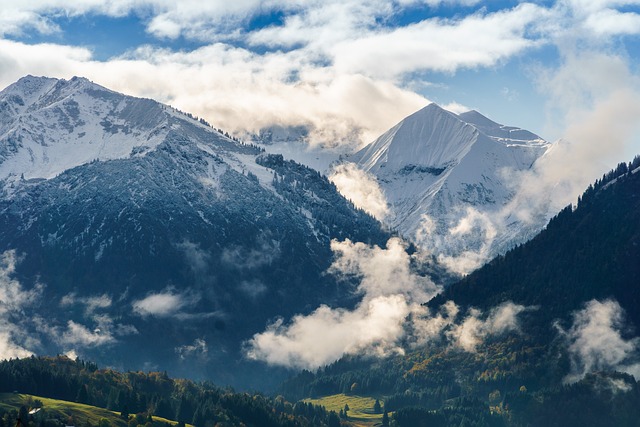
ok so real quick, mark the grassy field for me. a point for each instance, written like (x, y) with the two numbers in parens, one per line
(70, 412)
(360, 408)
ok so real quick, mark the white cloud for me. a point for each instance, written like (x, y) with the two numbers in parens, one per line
(9, 349)
(71, 354)
(339, 74)
(456, 108)
(197, 258)
(163, 304)
(595, 341)
(78, 334)
(381, 272)
(361, 188)
(197, 349)
(15, 339)
(90, 303)
(253, 288)
(327, 334)
(390, 293)
(473, 329)
(453, 249)
(388, 317)
(477, 40)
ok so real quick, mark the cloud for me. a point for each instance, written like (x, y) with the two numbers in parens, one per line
(197, 349)
(595, 341)
(390, 293)
(243, 258)
(429, 327)
(253, 288)
(327, 334)
(594, 98)
(388, 317)
(15, 338)
(91, 303)
(332, 66)
(478, 40)
(473, 329)
(78, 334)
(361, 188)
(170, 303)
(167, 303)
(24, 330)
(10, 350)
(196, 257)
(381, 272)
(450, 243)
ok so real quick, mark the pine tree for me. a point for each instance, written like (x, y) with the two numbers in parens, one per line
(376, 407)
(385, 419)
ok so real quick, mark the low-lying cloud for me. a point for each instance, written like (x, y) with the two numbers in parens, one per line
(474, 328)
(388, 318)
(197, 349)
(77, 334)
(166, 303)
(15, 300)
(389, 290)
(595, 341)
(361, 188)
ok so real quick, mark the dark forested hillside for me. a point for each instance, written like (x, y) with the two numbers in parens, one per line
(592, 251)
(153, 393)
(578, 288)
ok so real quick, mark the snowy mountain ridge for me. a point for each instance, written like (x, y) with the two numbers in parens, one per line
(444, 175)
(53, 125)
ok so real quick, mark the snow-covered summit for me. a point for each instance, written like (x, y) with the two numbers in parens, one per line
(51, 125)
(438, 168)
(431, 137)
(506, 134)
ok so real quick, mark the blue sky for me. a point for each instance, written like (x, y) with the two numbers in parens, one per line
(349, 69)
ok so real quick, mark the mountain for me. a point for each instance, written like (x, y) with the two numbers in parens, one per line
(437, 168)
(590, 252)
(545, 335)
(139, 236)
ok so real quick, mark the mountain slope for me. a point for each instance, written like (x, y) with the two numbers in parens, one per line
(434, 166)
(573, 351)
(590, 252)
(158, 240)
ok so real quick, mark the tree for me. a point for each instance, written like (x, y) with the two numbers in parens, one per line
(83, 395)
(346, 410)
(333, 420)
(376, 407)
(385, 419)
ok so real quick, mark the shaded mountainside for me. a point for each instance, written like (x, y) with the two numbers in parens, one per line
(148, 238)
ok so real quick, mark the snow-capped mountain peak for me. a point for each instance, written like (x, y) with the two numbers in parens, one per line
(51, 125)
(498, 132)
(434, 166)
(431, 137)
